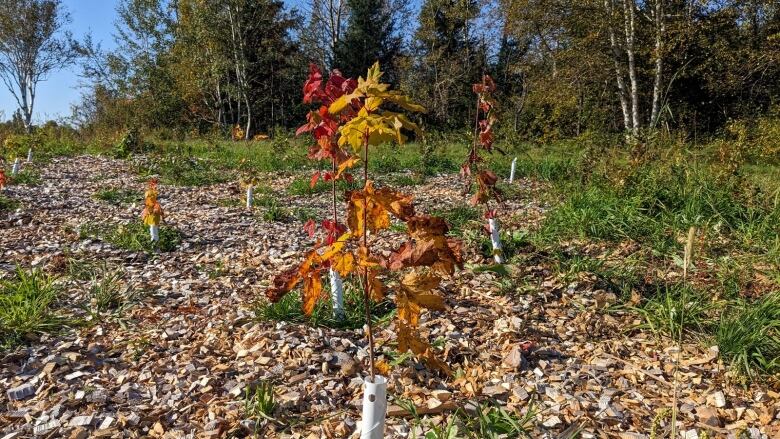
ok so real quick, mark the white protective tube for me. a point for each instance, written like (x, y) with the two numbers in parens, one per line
(29, 155)
(15, 168)
(512, 172)
(337, 294)
(154, 232)
(250, 196)
(495, 239)
(374, 408)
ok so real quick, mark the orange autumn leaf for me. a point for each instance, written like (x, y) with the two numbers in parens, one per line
(363, 207)
(415, 294)
(345, 165)
(409, 341)
(3, 179)
(429, 247)
(372, 264)
(287, 280)
(382, 367)
(380, 204)
(344, 263)
(312, 291)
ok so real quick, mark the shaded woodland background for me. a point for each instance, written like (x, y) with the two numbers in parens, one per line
(564, 68)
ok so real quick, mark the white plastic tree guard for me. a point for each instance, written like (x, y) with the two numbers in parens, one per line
(495, 239)
(512, 171)
(154, 232)
(374, 408)
(337, 294)
(15, 168)
(29, 155)
(250, 196)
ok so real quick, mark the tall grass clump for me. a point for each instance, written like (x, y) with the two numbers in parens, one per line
(27, 306)
(748, 336)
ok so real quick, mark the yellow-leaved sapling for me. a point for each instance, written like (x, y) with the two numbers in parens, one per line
(153, 213)
(426, 255)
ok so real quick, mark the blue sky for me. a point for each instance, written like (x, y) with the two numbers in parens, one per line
(61, 89)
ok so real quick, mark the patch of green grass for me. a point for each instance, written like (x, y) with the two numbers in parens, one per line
(251, 157)
(290, 309)
(275, 213)
(748, 336)
(302, 186)
(406, 180)
(82, 269)
(266, 200)
(511, 242)
(482, 421)
(259, 402)
(7, 203)
(27, 177)
(458, 217)
(183, 170)
(304, 214)
(118, 196)
(494, 422)
(27, 307)
(105, 291)
(676, 308)
(599, 213)
(656, 201)
(133, 236)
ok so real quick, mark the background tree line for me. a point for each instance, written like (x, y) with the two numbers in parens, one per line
(563, 67)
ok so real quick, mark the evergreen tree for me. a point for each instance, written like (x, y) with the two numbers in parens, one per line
(447, 59)
(371, 36)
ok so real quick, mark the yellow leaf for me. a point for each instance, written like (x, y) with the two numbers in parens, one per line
(418, 282)
(373, 103)
(344, 263)
(343, 102)
(382, 367)
(347, 164)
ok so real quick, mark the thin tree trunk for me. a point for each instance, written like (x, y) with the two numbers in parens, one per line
(660, 30)
(622, 92)
(629, 18)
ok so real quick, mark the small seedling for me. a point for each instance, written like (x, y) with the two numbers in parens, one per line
(153, 213)
(259, 401)
(486, 180)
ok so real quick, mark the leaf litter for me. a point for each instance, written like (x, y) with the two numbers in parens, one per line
(179, 361)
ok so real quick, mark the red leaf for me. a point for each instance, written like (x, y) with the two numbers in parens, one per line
(312, 88)
(310, 227)
(314, 179)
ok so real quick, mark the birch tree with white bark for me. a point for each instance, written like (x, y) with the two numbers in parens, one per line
(34, 43)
